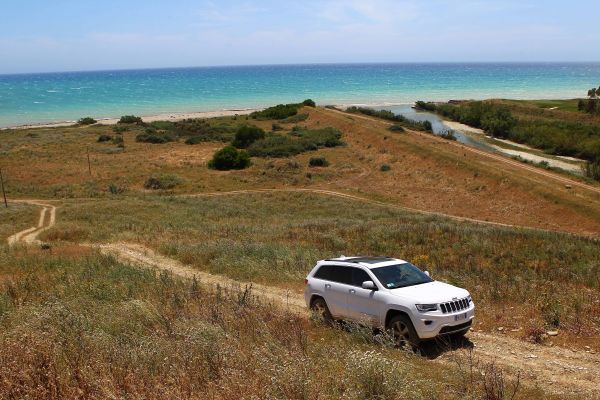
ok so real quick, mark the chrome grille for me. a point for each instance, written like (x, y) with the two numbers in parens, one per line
(455, 305)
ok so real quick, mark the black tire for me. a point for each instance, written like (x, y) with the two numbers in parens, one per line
(321, 311)
(403, 332)
(459, 335)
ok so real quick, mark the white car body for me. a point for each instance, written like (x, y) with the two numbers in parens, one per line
(350, 301)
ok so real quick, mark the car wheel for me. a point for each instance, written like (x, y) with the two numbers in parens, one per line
(321, 311)
(403, 332)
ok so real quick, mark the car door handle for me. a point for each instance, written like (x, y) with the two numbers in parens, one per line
(327, 286)
(352, 291)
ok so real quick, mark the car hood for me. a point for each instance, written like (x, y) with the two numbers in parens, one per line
(431, 292)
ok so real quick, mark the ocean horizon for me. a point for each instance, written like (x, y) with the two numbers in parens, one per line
(37, 98)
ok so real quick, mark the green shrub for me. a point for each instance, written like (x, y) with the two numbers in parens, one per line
(162, 182)
(87, 121)
(425, 106)
(592, 170)
(120, 129)
(130, 119)
(309, 103)
(276, 127)
(229, 158)
(279, 111)
(116, 189)
(104, 138)
(318, 162)
(203, 131)
(427, 126)
(294, 119)
(305, 140)
(155, 137)
(195, 140)
(396, 128)
(385, 168)
(246, 135)
(118, 140)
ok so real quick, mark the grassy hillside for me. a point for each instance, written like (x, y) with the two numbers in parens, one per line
(522, 279)
(84, 326)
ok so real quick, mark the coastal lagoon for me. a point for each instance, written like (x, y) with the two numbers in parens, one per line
(54, 97)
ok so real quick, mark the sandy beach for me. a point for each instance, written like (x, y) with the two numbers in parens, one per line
(147, 118)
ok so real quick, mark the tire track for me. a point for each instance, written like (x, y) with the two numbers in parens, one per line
(30, 235)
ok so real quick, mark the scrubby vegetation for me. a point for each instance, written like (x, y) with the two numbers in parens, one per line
(549, 278)
(130, 119)
(494, 119)
(562, 133)
(397, 128)
(246, 135)
(104, 138)
(229, 158)
(86, 121)
(281, 111)
(592, 103)
(162, 182)
(318, 162)
(153, 136)
(301, 140)
(390, 116)
(89, 327)
(294, 119)
(385, 167)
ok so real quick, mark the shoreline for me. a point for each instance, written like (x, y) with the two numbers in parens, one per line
(177, 116)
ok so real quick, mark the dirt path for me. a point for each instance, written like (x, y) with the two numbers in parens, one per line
(558, 370)
(555, 369)
(30, 235)
(557, 177)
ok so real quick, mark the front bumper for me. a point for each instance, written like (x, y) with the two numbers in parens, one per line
(430, 325)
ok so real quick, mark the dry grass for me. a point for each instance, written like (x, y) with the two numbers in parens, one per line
(518, 277)
(87, 327)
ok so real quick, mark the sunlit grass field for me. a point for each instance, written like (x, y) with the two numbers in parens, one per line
(85, 326)
(519, 278)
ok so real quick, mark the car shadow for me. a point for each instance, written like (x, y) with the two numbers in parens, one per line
(432, 349)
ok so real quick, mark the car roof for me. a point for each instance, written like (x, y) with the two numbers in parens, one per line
(367, 261)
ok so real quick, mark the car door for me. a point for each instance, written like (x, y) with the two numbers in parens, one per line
(364, 305)
(332, 285)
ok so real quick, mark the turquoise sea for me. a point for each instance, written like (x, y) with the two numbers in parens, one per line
(52, 97)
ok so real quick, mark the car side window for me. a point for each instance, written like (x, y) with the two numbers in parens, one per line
(324, 272)
(359, 276)
(341, 274)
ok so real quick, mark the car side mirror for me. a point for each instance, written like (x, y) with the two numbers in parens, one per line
(427, 273)
(369, 285)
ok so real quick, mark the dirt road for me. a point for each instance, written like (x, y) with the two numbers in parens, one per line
(555, 369)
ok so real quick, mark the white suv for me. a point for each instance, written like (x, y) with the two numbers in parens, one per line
(388, 293)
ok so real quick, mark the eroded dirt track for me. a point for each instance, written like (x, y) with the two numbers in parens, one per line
(555, 369)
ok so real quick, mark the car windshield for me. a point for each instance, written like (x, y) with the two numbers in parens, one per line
(400, 275)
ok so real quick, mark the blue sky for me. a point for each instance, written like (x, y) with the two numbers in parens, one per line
(69, 35)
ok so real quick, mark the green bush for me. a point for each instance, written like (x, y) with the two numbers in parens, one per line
(427, 126)
(203, 131)
(120, 129)
(195, 140)
(592, 170)
(425, 106)
(318, 162)
(86, 121)
(309, 103)
(130, 119)
(305, 140)
(155, 137)
(162, 182)
(294, 119)
(246, 135)
(104, 138)
(276, 127)
(496, 120)
(279, 111)
(396, 128)
(385, 168)
(229, 158)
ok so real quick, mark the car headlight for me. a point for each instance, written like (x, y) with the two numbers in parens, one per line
(426, 307)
